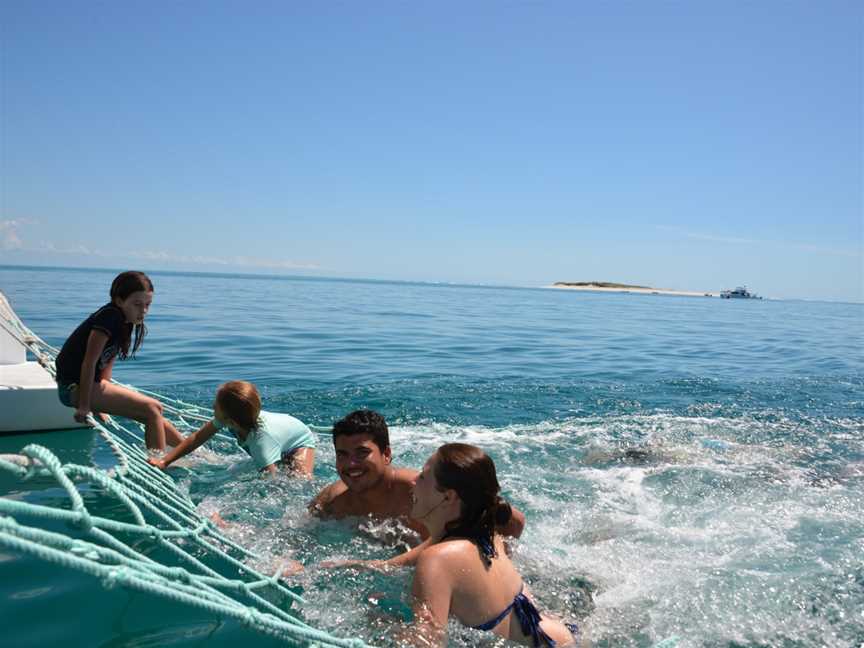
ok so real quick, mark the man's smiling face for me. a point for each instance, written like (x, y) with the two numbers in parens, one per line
(360, 463)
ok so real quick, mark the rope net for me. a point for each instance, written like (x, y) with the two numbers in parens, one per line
(186, 548)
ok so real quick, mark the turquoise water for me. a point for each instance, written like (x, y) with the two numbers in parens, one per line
(735, 519)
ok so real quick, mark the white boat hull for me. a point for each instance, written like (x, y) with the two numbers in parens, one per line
(28, 393)
(28, 400)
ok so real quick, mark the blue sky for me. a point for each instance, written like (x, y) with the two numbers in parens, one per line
(694, 145)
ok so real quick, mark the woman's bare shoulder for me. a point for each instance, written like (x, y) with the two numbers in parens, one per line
(442, 554)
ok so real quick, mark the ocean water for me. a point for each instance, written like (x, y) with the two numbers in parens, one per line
(697, 463)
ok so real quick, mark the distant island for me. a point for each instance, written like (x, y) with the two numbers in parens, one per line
(608, 286)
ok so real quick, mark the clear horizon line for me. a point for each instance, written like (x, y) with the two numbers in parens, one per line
(418, 282)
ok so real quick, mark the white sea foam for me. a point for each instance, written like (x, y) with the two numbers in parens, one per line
(710, 528)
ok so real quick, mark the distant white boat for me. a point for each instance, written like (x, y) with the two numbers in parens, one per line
(740, 292)
(28, 393)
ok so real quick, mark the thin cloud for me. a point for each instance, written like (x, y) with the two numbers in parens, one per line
(819, 249)
(238, 261)
(161, 256)
(49, 246)
(10, 239)
(17, 222)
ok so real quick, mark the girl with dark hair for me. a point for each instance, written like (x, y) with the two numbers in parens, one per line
(270, 438)
(86, 361)
(463, 569)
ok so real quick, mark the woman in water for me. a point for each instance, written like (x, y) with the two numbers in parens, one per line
(463, 569)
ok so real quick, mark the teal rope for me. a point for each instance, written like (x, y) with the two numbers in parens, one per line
(80, 556)
(159, 512)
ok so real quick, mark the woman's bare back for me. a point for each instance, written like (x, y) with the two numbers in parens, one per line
(481, 592)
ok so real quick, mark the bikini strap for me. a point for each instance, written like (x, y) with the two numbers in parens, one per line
(489, 625)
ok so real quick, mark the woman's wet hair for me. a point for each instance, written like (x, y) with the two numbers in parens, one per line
(125, 284)
(364, 421)
(240, 401)
(470, 472)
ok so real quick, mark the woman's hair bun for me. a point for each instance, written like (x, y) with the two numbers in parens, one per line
(503, 511)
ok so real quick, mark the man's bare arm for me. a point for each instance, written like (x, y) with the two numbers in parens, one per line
(322, 504)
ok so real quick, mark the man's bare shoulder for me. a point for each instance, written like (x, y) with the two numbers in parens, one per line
(404, 476)
(331, 501)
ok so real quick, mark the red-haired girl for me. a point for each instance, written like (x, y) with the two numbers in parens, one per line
(270, 438)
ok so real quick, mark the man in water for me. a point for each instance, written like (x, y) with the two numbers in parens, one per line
(369, 485)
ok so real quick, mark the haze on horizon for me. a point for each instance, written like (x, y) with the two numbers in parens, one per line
(691, 147)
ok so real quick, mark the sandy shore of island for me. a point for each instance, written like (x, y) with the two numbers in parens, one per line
(643, 291)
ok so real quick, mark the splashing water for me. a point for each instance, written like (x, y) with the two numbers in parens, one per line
(698, 469)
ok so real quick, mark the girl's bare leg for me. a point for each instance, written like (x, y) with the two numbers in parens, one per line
(301, 462)
(113, 399)
(172, 434)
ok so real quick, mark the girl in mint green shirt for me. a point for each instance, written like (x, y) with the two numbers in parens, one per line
(270, 438)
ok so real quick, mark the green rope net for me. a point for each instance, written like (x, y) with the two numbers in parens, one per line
(185, 545)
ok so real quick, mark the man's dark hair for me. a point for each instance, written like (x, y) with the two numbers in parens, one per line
(364, 421)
